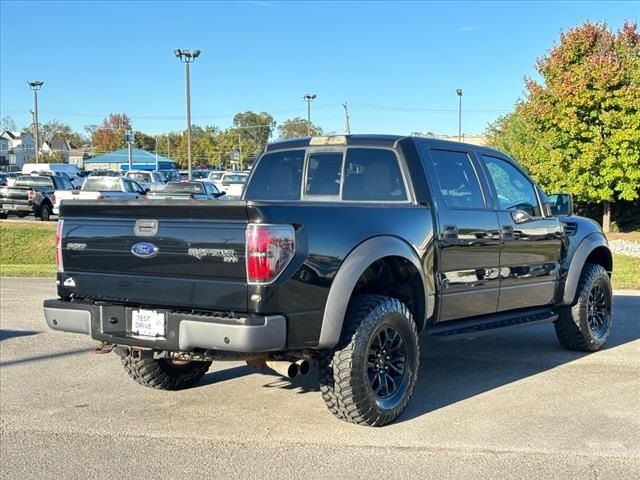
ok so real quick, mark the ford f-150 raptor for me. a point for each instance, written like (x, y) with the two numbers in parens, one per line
(341, 251)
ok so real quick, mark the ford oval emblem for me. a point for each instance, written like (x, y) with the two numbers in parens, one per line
(144, 250)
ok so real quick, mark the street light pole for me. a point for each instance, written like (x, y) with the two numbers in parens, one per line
(459, 93)
(157, 167)
(309, 97)
(188, 57)
(35, 86)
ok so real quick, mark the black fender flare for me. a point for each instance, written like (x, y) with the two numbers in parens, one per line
(579, 258)
(350, 272)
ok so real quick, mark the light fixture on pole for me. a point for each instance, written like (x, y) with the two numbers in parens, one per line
(187, 57)
(459, 93)
(309, 97)
(35, 86)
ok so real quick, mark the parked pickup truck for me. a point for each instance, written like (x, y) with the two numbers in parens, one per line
(233, 183)
(189, 190)
(101, 188)
(32, 194)
(341, 251)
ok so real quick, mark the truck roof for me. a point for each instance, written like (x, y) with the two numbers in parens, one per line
(377, 140)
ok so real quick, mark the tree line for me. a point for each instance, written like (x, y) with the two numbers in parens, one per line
(210, 145)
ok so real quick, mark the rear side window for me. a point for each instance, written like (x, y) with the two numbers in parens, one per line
(372, 174)
(323, 174)
(277, 176)
(457, 179)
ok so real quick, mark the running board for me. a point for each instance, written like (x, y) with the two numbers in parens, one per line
(486, 326)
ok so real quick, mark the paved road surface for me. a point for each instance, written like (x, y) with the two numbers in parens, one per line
(513, 405)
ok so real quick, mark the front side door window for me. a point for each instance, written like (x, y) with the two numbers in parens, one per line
(513, 189)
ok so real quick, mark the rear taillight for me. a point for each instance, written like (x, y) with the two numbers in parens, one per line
(270, 248)
(100, 197)
(31, 195)
(59, 264)
(53, 198)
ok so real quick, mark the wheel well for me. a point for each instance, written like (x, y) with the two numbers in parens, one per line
(395, 277)
(601, 256)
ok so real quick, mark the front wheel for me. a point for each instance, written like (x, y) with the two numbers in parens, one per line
(164, 373)
(586, 325)
(368, 378)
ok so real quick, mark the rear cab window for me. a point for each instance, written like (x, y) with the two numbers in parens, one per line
(33, 181)
(352, 174)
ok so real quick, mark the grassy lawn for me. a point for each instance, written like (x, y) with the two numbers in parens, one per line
(626, 272)
(28, 250)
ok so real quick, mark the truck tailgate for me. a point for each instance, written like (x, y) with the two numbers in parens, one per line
(156, 253)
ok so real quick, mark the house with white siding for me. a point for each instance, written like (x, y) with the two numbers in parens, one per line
(20, 147)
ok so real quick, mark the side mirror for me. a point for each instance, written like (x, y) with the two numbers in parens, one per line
(147, 190)
(561, 204)
(520, 216)
(220, 194)
(77, 188)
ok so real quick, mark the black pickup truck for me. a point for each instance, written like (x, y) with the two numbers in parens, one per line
(32, 194)
(342, 250)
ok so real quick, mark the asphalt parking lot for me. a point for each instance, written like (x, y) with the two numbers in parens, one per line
(513, 405)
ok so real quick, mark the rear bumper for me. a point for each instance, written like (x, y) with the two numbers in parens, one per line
(111, 323)
(17, 207)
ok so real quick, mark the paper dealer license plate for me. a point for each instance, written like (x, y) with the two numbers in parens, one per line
(147, 323)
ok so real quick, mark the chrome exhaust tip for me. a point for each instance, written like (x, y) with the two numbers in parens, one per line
(284, 368)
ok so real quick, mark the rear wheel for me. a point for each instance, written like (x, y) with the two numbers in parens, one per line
(164, 373)
(3, 215)
(45, 213)
(368, 378)
(586, 325)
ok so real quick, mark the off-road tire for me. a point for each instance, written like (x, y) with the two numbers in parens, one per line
(45, 213)
(162, 374)
(572, 326)
(344, 380)
(3, 216)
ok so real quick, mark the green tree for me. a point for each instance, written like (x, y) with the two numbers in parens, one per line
(56, 129)
(578, 130)
(297, 127)
(145, 142)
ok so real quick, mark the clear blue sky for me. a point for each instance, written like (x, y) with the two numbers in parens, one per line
(397, 64)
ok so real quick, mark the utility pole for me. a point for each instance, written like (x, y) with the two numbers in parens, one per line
(347, 127)
(187, 58)
(459, 93)
(35, 86)
(157, 167)
(309, 97)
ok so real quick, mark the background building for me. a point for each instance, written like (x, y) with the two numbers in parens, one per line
(119, 161)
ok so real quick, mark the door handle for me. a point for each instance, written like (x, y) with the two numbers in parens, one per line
(450, 233)
(506, 232)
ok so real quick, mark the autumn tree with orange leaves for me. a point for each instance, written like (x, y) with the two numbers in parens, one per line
(578, 129)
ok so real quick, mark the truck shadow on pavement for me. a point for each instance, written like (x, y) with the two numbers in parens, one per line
(451, 372)
(454, 371)
(5, 334)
